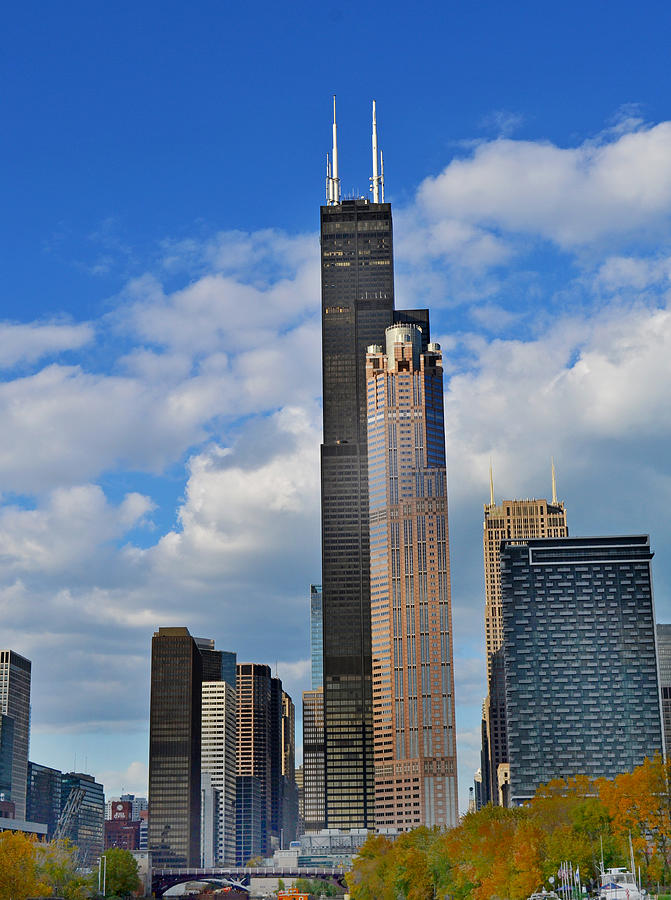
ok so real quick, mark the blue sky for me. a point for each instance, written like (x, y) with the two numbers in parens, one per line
(162, 168)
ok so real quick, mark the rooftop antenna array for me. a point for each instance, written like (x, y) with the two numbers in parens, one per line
(332, 179)
(333, 189)
(377, 181)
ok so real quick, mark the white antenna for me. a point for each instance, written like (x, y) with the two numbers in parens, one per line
(328, 180)
(376, 177)
(333, 194)
(381, 178)
(377, 181)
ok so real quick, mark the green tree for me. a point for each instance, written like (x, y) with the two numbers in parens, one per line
(57, 863)
(20, 876)
(121, 877)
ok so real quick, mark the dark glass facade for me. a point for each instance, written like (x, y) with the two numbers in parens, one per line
(218, 665)
(43, 800)
(357, 307)
(175, 748)
(6, 756)
(582, 692)
(250, 812)
(87, 827)
(15, 673)
(258, 701)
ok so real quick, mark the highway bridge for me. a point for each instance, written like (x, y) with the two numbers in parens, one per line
(162, 879)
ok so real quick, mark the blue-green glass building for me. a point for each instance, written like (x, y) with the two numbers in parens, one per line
(582, 689)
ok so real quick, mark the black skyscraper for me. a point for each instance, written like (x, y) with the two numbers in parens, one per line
(357, 307)
(174, 748)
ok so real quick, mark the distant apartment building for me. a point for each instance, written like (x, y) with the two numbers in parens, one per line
(415, 761)
(508, 520)
(664, 667)
(582, 691)
(15, 674)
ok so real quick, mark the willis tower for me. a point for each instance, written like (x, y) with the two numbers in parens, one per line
(357, 306)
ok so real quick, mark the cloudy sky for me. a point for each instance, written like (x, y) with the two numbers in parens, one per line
(162, 169)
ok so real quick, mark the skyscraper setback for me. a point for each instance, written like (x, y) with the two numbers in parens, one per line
(357, 307)
(413, 680)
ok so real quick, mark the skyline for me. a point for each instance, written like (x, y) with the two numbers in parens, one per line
(140, 400)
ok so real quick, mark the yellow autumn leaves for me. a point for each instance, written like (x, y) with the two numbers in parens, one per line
(509, 853)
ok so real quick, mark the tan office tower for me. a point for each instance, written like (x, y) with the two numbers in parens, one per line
(413, 682)
(510, 519)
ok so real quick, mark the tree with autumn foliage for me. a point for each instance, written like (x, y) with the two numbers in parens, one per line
(510, 853)
(58, 865)
(639, 804)
(20, 875)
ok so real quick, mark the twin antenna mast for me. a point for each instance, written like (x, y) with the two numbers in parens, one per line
(333, 190)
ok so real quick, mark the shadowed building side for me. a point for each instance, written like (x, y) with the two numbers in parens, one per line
(175, 748)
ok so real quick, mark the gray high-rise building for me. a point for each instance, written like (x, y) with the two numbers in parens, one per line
(175, 748)
(664, 666)
(582, 692)
(357, 306)
(15, 673)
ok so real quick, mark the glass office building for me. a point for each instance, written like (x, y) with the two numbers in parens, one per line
(15, 672)
(175, 749)
(43, 800)
(582, 692)
(87, 828)
(357, 307)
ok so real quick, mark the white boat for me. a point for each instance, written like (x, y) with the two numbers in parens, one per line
(619, 884)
